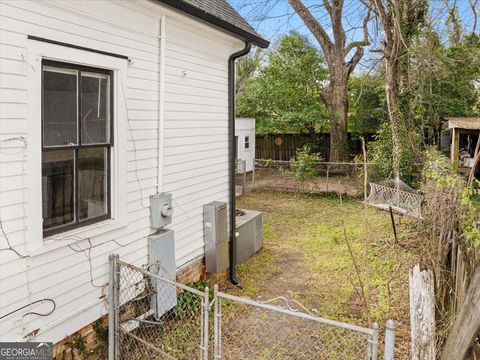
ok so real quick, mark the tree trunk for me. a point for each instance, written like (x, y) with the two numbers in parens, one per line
(335, 50)
(467, 324)
(336, 100)
(392, 94)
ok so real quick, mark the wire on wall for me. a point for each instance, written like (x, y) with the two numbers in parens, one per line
(54, 306)
(2, 229)
(134, 146)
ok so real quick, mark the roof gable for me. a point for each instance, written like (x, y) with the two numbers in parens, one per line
(221, 14)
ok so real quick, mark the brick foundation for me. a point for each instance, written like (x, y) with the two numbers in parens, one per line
(191, 273)
(94, 347)
(68, 348)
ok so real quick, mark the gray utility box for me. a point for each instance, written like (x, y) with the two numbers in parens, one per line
(250, 234)
(161, 258)
(161, 210)
(216, 236)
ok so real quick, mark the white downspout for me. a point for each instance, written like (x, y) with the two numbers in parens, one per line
(161, 104)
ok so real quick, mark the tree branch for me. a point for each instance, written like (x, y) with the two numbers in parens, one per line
(382, 14)
(327, 7)
(337, 25)
(364, 41)
(317, 30)
(473, 6)
(357, 56)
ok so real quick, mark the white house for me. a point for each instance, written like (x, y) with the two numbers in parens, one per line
(102, 104)
(245, 137)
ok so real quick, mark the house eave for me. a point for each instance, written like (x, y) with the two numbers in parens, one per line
(215, 21)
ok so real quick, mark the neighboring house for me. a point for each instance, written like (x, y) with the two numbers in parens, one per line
(104, 103)
(245, 135)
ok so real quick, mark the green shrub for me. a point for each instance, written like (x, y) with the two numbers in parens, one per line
(302, 167)
(439, 181)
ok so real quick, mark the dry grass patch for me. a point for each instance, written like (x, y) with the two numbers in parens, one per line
(305, 255)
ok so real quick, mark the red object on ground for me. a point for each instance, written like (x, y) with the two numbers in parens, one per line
(204, 272)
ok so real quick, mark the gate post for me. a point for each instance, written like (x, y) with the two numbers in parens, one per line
(111, 307)
(206, 311)
(374, 344)
(389, 340)
(117, 307)
(328, 171)
(216, 324)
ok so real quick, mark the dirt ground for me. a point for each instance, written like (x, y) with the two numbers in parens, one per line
(274, 180)
(306, 257)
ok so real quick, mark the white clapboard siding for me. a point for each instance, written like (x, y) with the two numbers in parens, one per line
(195, 152)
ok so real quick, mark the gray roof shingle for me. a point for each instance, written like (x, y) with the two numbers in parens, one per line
(219, 13)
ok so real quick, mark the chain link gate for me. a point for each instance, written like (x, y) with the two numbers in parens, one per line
(152, 317)
(248, 329)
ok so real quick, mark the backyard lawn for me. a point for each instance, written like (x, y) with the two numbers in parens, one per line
(306, 255)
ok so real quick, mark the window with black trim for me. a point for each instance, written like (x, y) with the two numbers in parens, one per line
(247, 142)
(77, 124)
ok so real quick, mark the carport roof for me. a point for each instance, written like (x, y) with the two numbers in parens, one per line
(469, 123)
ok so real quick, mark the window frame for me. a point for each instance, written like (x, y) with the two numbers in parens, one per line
(246, 142)
(78, 223)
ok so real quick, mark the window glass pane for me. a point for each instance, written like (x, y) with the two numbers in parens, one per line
(58, 187)
(59, 106)
(95, 121)
(92, 182)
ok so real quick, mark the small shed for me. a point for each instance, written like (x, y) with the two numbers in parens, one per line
(464, 136)
(245, 136)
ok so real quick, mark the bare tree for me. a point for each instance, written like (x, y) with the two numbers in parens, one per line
(336, 51)
(399, 20)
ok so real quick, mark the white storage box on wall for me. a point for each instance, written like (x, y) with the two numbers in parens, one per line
(161, 257)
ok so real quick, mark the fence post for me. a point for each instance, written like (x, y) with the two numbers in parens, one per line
(206, 311)
(216, 323)
(111, 307)
(374, 345)
(328, 171)
(244, 164)
(389, 340)
(116, 307)
(253, 173)
(422, 313)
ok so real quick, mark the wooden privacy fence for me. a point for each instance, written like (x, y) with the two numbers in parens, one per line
(284, 146)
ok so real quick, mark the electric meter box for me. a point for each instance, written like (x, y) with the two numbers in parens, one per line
(161, 210)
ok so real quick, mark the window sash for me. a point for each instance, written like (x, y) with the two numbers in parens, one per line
(77, 221)
(107, 146)
(70, 69)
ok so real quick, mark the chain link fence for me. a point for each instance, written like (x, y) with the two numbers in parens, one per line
(151, 317)
(250, 329)
(344, 177)
(240, 177)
